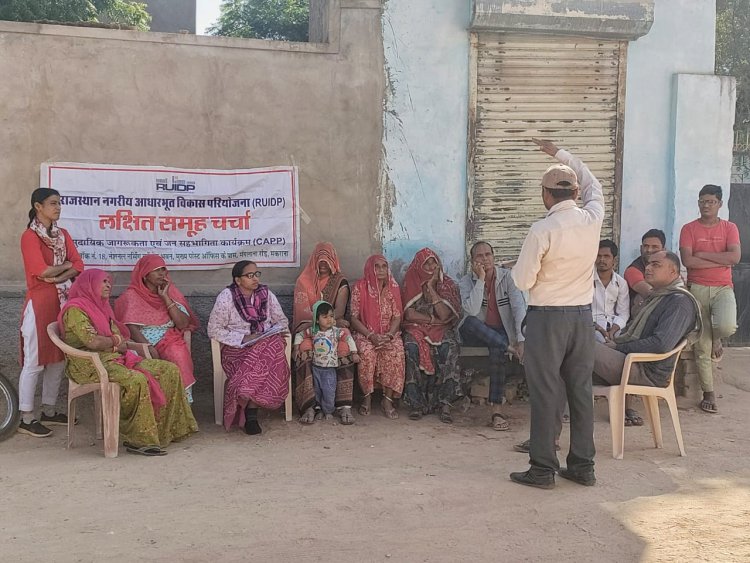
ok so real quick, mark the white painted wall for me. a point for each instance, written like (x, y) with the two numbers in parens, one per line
(426, 44)
(703, 138)
(681, 40)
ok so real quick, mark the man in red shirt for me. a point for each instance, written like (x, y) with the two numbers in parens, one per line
(709, 247)
(652, 242)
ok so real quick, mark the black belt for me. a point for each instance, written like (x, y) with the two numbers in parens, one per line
(558, 308)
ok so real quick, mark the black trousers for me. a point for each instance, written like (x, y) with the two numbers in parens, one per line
(559, 361)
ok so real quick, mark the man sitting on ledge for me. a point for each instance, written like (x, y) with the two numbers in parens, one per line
(668, 314)
(494, 309)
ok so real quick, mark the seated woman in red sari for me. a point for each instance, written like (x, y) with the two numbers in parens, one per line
(322, 280)
(157, 314)
(376, 320)
(248, 322)
(431, 312)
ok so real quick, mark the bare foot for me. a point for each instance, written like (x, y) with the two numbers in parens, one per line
(364, 408)
(717, 350)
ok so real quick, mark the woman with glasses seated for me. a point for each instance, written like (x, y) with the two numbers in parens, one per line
(248, 322)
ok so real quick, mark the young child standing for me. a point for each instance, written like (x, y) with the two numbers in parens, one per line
(327, 342)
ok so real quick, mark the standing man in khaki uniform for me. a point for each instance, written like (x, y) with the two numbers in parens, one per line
(556, 267)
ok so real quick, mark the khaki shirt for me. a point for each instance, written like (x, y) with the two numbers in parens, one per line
(556, 264)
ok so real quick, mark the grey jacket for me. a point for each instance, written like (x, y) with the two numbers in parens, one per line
(510, 301)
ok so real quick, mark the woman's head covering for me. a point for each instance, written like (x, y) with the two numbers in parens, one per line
(139, 306)
(86, 295)
(369, 294)
(309, 287)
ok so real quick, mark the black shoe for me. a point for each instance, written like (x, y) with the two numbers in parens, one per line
(57, 419)
(251, 422)
(525, 447)
(586, 479)
(35, 429)
(529, 479)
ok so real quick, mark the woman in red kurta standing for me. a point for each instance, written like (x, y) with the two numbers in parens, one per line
(50, 260)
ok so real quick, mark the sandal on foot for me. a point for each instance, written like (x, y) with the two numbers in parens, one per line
(151, 451)
(709, 406)
(499, 423)
(632, 418)
(416, 414)
(308, 417)
(345, 413)
(391, 413)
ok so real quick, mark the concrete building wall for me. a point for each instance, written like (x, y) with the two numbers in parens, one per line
(104, 96)
(172, 16)
(425, 125)
(653, 62)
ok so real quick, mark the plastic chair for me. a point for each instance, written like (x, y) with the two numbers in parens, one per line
(220, 377)
(615, 395)
(106, 395)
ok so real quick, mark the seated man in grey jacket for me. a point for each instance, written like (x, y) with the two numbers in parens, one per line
(668, 315)
(494, 309)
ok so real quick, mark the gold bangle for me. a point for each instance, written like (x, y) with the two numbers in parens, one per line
(173, 304)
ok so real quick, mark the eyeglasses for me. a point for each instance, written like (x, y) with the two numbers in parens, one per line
(709, 202)
(251, 275)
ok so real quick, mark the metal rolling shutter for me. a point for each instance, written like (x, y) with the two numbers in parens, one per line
(569, 90)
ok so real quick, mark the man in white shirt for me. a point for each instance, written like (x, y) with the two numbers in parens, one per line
(556, 267)
(611, 306)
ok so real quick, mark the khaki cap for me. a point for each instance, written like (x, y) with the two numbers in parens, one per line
(558, 174)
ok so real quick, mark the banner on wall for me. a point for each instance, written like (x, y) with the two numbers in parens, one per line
(194, 219)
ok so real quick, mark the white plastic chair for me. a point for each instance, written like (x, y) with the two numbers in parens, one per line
(106, 395)
(220, 377)
(615, 395)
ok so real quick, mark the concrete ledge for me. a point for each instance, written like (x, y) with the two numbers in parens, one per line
(331, 47)
(616, 19)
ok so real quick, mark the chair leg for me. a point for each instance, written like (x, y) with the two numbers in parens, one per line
(672, 404)
(651, 403)
(71, 420)
(219, 400)
(98, 414)
(617, 424)
(288, 402)
(111, 416)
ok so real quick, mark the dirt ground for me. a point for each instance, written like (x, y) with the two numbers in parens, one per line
(383, 491)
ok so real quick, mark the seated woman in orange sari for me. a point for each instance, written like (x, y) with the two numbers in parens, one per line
(322, 280)
(376, 320)
(432, 304)
(157, 314)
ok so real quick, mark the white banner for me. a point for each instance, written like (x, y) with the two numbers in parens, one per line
(194, 219)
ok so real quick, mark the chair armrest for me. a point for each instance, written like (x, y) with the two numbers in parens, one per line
(141, 349)
(642, 358)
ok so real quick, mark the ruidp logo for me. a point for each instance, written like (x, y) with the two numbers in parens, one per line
(175, 185)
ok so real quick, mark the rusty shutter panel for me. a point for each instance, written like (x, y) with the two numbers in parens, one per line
(569, 90)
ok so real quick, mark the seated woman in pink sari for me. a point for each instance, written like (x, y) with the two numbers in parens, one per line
(248, 322)
(157, 314)
(322, 280)
(376, 320)
(432, 306)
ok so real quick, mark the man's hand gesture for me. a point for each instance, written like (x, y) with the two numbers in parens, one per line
(547, 146)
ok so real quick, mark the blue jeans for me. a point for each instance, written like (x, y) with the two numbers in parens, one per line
(476, 333)
(324, 382)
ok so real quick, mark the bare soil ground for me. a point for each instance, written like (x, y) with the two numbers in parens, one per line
(383, 491)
